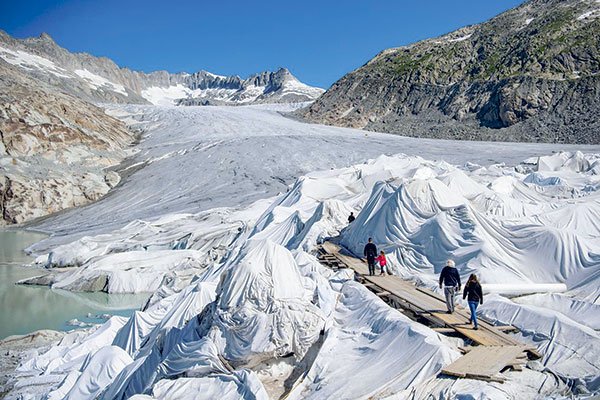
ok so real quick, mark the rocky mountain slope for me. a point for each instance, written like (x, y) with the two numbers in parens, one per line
(55, 150)
(529, 74)
(99, 79)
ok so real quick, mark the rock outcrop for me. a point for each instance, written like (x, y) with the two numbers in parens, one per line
(529, 74)
(55, 150)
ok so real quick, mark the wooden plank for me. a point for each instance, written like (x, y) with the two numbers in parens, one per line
(432, 294)
(483, 362)
(456, 374)
(535, 354)
(330, 247)
(487, 378)
(444, 330)
(383, 294)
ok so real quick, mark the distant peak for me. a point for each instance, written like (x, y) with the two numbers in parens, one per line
(285, 75)
(46, 37)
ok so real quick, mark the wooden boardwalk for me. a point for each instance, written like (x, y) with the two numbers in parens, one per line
(493, 350)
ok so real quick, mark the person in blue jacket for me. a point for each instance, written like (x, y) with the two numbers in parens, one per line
(450, 279)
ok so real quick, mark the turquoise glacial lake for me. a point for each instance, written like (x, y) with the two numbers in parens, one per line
(25, 309)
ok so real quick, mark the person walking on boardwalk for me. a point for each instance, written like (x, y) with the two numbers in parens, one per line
(351, 218)
(382, 261)
(450, 278)
(474, 296)
(370, 252)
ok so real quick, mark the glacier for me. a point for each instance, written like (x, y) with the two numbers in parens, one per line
(220, 218)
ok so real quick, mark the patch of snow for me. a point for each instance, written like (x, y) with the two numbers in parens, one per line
(216, 94)
(98, 82)
(461, 38)
(592, 14)
(528, 21)
(346, 112)
(32, 61)
(215, 75)
(161, 96)
(296, 87)
(251, 93)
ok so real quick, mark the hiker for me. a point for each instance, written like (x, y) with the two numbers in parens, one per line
(451, 280)
(370, 252)
(351, 218)
(382, 261)
(474, 296)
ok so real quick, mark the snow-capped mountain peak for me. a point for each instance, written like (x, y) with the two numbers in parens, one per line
(99, 79)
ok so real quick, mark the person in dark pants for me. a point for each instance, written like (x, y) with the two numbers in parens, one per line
(451, 280)
(474, 296)
(370, 253)
(351, 218)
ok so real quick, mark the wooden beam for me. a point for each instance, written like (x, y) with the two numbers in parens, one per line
(484, 362)
(516, 367)
(487, 378)
(444, 330)
(506, 328)
(534, 353)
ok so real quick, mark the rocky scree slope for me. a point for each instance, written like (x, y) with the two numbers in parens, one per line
(55, 150)
(99, 79)
(529, 74)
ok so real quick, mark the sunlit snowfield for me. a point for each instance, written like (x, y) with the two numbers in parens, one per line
(242, 309)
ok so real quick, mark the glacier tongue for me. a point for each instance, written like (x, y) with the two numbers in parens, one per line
(264, 298)
(198, 158)
(256, 316)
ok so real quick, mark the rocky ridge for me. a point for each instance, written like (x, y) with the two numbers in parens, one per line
(100, 80)
(529, 74)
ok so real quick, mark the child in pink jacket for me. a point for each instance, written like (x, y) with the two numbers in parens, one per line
(382, 261)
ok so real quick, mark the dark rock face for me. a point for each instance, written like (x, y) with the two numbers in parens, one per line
(529, 74)
(205, 80)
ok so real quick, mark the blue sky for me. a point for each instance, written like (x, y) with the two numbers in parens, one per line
(319, 41)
